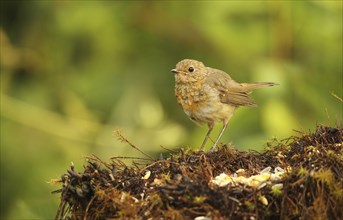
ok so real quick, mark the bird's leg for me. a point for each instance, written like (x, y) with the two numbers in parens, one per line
(220, 135)
(210, 127)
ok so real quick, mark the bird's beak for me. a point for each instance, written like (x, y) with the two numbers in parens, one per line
(174, 71)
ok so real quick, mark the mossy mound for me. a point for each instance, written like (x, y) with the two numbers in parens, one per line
(183, 185)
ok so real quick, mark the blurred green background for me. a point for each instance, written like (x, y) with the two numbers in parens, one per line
(73, 72)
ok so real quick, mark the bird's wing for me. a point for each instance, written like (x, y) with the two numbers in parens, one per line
(230, 91)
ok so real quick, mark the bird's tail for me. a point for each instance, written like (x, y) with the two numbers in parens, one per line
(256, 85)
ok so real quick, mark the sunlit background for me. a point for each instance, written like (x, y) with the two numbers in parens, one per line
(73, 72)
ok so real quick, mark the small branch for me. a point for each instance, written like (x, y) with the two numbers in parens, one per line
(336, 96)
(129, 158)
(120, 137)
(169, 150)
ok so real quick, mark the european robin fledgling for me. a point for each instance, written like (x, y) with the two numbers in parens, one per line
(209, 95)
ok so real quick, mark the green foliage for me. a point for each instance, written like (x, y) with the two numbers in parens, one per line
(73, 72)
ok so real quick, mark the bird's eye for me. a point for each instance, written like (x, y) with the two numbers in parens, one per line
(190, 69)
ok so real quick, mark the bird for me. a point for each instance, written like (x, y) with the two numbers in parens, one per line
(209, 96)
